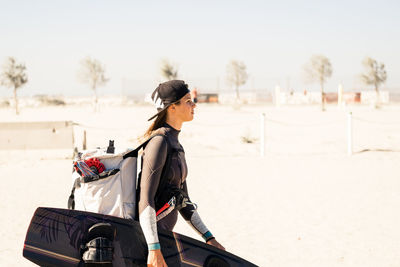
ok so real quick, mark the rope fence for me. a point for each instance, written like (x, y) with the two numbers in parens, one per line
(377, 122)
(264, 121)
(349, 128)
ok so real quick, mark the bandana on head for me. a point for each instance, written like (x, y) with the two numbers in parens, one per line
(157, 101)
(168, 93)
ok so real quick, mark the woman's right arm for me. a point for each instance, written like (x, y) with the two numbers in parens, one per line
(155, 155)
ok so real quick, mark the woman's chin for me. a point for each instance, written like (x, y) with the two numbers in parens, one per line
(190, 118)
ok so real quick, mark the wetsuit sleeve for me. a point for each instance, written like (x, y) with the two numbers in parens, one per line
(192, 217)
(154, 158)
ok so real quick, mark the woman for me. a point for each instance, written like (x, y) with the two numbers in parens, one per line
(164, 170)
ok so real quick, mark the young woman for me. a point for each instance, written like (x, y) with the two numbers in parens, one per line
(164, 170)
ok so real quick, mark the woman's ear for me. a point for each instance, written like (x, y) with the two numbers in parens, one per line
(172, 107)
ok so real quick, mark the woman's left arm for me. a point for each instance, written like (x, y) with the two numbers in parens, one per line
(192, 217)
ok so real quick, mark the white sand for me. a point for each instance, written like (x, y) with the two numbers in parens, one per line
(306, 203)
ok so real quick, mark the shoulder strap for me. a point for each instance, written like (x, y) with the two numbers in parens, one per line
(163, 179)
(135, 152)
(71, 198)
(170, 150)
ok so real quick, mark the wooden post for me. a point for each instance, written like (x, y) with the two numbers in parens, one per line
(340, 95)
(84, 140)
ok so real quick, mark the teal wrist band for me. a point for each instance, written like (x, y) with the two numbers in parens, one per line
(207, 236)
(154, 246)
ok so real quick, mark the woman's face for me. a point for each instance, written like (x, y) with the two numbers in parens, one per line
(185, 109)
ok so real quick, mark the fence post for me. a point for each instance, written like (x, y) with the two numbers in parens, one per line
(262, 134)
(349, 134)
(340, 95)
(84, 140)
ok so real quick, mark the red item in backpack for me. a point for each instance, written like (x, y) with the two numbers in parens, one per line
(95, 162)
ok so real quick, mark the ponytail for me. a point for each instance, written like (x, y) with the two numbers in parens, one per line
(158, 123)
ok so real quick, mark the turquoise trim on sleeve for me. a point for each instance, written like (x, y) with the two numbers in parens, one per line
(154, 246)
(207, 235)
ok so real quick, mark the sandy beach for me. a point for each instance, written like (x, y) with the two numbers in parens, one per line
(305, 203)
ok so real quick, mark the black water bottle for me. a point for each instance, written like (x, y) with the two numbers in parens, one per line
(111, 148)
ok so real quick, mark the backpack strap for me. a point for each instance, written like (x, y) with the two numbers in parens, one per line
(135, 152)
(163, 180)
(163, 184)
(71, 198)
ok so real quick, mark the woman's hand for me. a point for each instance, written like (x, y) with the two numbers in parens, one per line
(156, 259)
(214, 242)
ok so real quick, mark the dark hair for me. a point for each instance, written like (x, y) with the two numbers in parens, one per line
(157, 123)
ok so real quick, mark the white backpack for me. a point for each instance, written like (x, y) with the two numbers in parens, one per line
(112, 192)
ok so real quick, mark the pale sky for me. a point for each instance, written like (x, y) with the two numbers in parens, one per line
(273, 38)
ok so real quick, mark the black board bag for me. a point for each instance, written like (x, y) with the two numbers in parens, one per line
(57, 237)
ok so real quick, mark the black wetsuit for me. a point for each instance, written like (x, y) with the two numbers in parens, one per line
(154, 159)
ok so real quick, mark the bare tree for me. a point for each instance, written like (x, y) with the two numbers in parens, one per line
(13, 76)
(168, 70)
(375, 74)
(93, 73)
(236, 75)
(319, 69)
